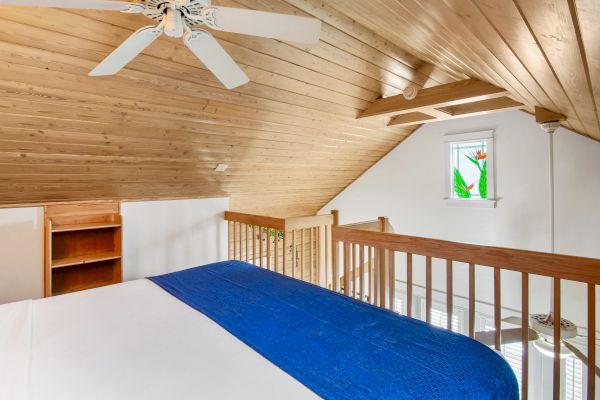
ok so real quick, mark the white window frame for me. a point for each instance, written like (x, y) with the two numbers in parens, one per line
(449, 140)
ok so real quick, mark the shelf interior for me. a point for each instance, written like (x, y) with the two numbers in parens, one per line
(88, 276)
(84, 259)
(84, 226)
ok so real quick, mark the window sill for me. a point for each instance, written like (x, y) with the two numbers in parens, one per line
(489, 203)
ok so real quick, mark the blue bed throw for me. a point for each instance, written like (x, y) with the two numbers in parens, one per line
(338, 347)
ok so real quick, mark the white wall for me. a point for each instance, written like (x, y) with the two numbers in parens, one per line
(407, 186)
(158, 237)
(167, 236)
(21, 253)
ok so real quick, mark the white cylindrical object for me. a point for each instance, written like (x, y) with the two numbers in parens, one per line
(173, 23)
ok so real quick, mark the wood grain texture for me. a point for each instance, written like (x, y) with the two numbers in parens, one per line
(158, 128)
(544, 52)
(580, 269)
(82, 246)
(449, 94)
(290, 137)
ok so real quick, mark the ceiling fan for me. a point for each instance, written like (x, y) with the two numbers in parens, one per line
(179, 18)
(541, 332)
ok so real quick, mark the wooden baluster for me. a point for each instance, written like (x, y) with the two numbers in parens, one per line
(326, 242)
(284, 251)
(556, 316)
(428, 289)
(276, 267)
(234, 242)
(302, 254)
(409, 284)
(497, 310)
(382, 287)
(247, 243)
(346, 268)
(362, 273)
(318, 256)
(591, 365)
(383, 221)
(254, 244)
(525, 335)
(312, 255)
(449, 295)
(294, 263)
(268, 243)
(392, 279)
(377, 261)
(353, 275)
(260, 246)
(371, 273)
(472, 300)
(240, 241)
(335, 252)
(229, 234)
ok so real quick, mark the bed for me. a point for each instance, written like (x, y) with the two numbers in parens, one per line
(231, 330)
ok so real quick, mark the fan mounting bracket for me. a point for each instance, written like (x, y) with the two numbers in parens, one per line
(190, 9)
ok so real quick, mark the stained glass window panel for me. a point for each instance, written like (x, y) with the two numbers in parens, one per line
(469, 170)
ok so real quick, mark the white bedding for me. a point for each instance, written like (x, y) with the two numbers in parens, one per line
(128, 341)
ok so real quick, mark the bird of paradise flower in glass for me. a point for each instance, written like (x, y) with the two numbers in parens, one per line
(479, 158)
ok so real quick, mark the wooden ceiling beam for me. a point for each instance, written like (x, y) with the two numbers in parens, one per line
(413, 118)
(457, 111)
(482, 107)
(543, 115)
(450, 94)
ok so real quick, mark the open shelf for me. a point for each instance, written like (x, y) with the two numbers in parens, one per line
(82, 287)
(85, 276)
(84, 259)
(83, 227)
(82, 246)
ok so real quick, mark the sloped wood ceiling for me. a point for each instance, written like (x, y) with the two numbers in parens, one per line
(545, 52)
(158, 128)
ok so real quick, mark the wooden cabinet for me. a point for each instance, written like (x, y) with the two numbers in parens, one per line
(82, 246)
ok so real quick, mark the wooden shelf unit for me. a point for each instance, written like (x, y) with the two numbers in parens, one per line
(83, 227)
(82, 246)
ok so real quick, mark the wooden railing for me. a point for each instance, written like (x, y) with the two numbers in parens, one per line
(299, 247)
(353, 249)
(359, 260)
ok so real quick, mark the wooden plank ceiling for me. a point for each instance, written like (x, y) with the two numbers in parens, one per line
(290, 136)
(544, 52)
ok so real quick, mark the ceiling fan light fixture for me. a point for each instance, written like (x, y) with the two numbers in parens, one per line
(544, 324)
(546, 348)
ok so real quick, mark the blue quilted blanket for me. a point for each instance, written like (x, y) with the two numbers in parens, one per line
(338, 347)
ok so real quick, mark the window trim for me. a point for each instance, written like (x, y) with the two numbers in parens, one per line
(451, 138)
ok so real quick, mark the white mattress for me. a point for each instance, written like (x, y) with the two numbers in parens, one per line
(128, 341)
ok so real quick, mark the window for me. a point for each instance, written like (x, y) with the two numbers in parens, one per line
(512, 352)
(574, 379)
(399, 306)
(470, 169)
(439, 318)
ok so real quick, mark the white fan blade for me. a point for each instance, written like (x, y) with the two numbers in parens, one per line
(127, 51)
(215, 58)
(266, 24)
(507, 336)
(81, 4)
(577, 353)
